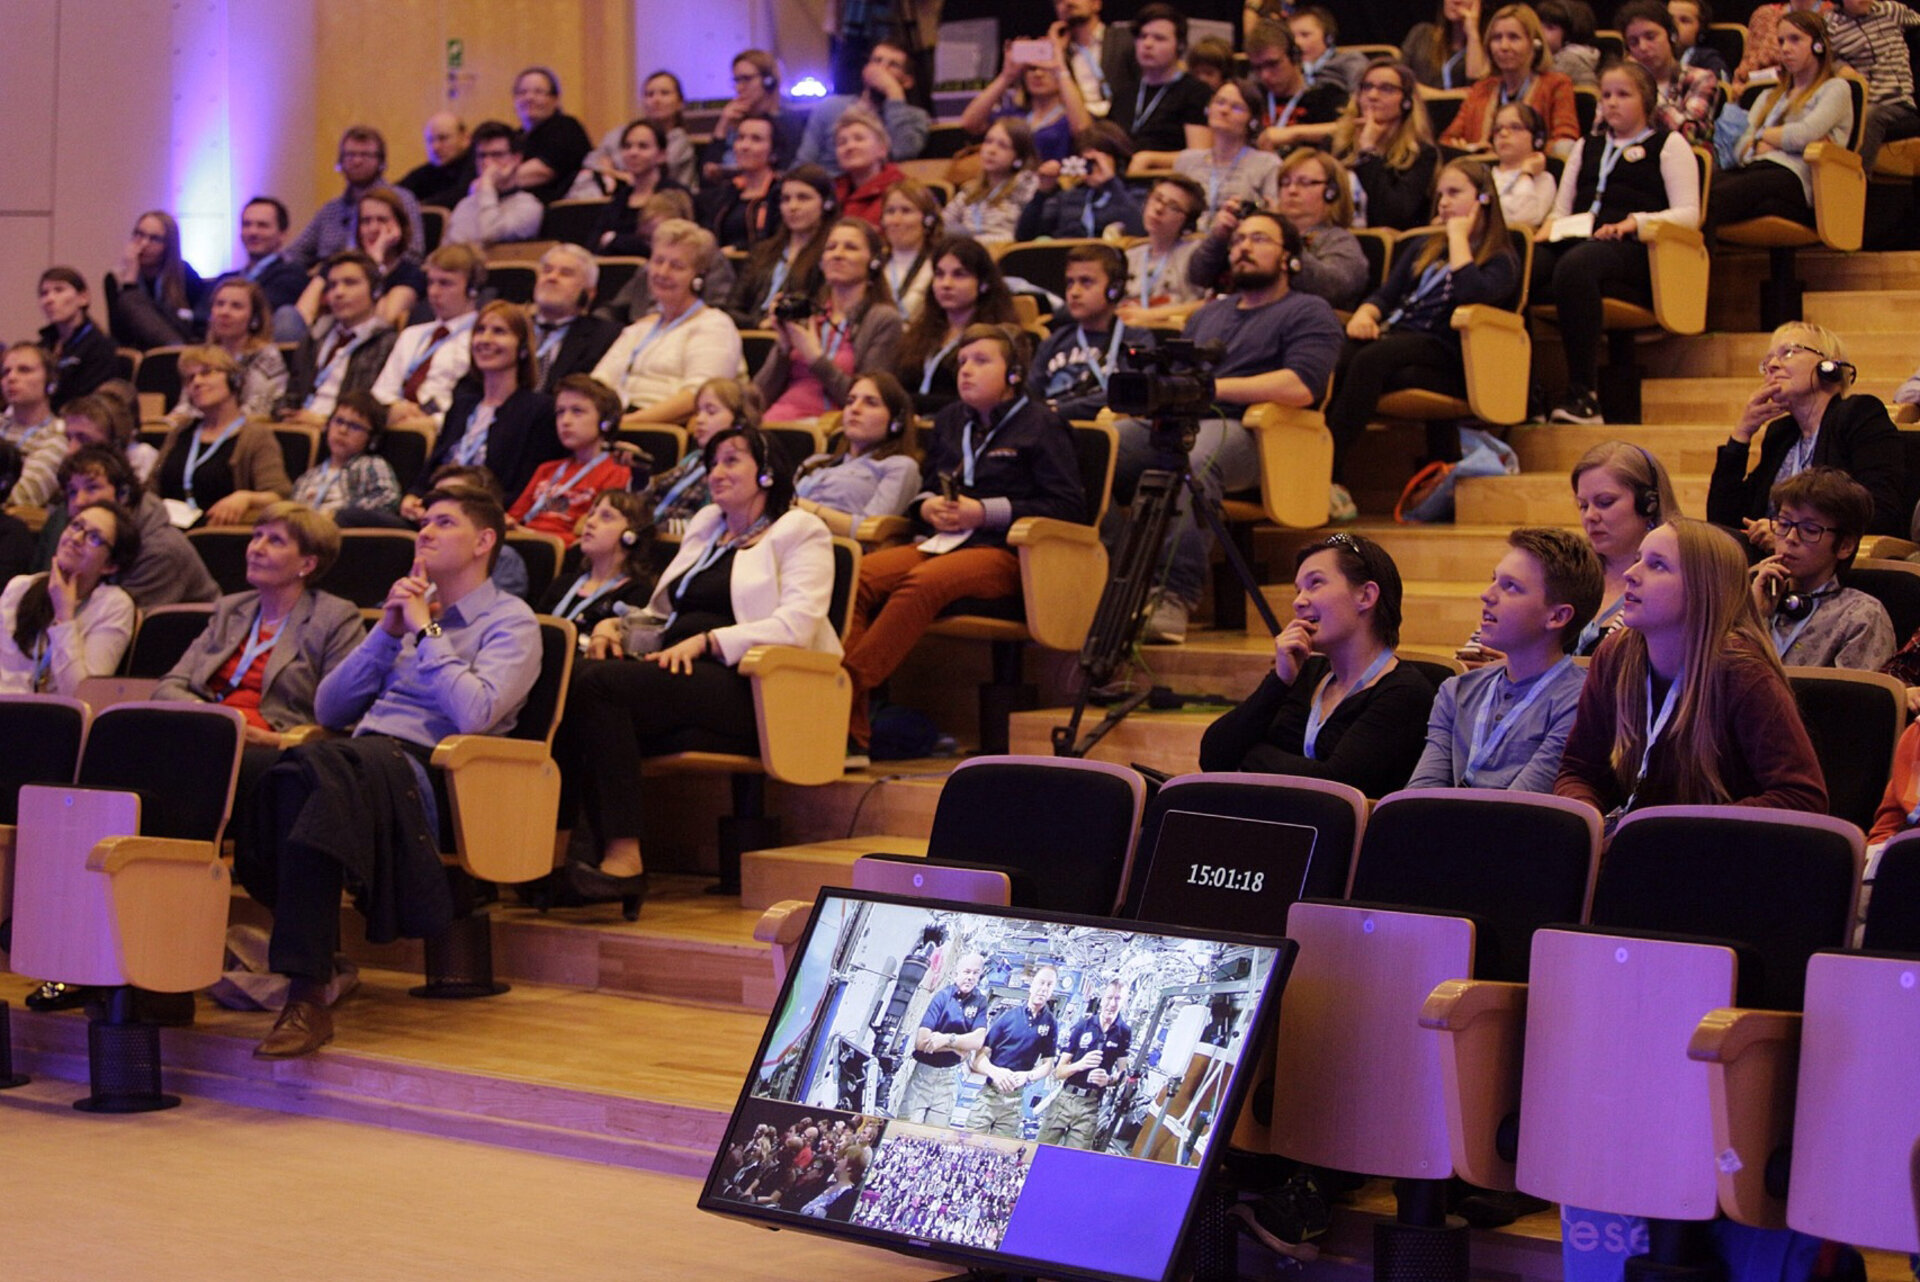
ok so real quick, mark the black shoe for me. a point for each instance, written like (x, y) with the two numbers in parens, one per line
(1581, 408)
(588, 885)
(1495, 1209)
(52, 996)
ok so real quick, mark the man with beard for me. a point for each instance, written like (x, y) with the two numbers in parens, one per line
(955, 1021)
(1098, 55)
(1277, 345)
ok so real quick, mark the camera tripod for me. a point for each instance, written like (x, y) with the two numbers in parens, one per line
(1120, 617)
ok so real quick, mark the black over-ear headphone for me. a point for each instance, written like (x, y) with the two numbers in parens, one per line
(1646, 498)
(1795, 606)
(769, 81)
(1828, 370)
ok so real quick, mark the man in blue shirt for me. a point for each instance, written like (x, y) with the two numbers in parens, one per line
(1020, 1049)
(888, 77)
(955, 1022)
(451, 654)
(1094, 1058)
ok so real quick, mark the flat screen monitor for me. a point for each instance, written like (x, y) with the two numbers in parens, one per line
(1011, 1090)
(1234, 873)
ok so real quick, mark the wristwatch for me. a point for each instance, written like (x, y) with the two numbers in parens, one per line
(431, 630)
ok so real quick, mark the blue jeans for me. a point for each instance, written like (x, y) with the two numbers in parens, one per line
(1224, 458)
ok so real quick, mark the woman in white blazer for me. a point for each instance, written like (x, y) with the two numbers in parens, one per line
(751, 570)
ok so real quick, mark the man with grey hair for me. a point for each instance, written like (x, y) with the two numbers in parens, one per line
(566, 339)
(955, 1022)
(449, 169)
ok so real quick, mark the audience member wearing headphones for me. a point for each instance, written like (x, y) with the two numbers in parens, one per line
(1800, 592)
(1279, 345)
(362, 161)
(967, 290)
(84, 355)
(1621, 491)
(1522, 72)
(166, 569)
(1726, 730)
(1162, 108)
(1520, 169)
(1160, 285)
(1616, 184)
(1071, 369)
(751, 570)
(874, 466)
(1690, 97)
(988, 206)
(788, 260)
(661, 359)
(852, 329)
(1230, 169)
(1807, 417)
(416, 384)
(16, 540)
(1291, 109)
(886, 79)
(28, 423)
(1809, 104)
(585, 415)
(996, 455)
(1338, 704)
(497, 209)
(861, 146)
(1044, 95)
(738, 207)
(1385, 141)
(240, 323)
(615, 539)
(1098, 201)
(756, 92)
(59, 628)
(1315, 196)
(352, 475)
(219, 468)
(910, 224)
(1403, 336)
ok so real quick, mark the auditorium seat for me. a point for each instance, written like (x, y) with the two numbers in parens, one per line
(801, 703)
(371, 561)
(1493, 345)
(159, 376)
(298, 447)
(1042, 263)
(433, 225)
(615, 274)
(405, 447)
(663, 444)
(543, 553)
(1895, 585)
(1854, 720)
(119, 882)
(1296, 478)
(572, 221)
(223, 551)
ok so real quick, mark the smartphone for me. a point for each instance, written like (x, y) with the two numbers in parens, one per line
(949, 490)
(1031, 52)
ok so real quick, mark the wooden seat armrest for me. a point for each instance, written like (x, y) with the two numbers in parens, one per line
(1482, 1027)
(1296, 463)
(1678, 261)
(170, 899)
(782, 923)
(1063, 570)
(459, 750)
(1497, 353)
(1752, 1059)
(1886, 547)
(801, 701)
(308, 734)
(1906, 413)
(1839, 194)
(880, 531)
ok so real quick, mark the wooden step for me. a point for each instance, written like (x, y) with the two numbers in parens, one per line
(1168, 741)
(1556, 447)
(1461, 552)
(1831, 270)
(1695, 400)
(1878, 339)
(1860, 314)
(798, 872)
(1543, 498)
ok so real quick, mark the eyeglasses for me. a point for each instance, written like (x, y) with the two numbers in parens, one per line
(350, 424)
(354, 154)
(1380, 86)
(1252, 238)
(1780, 354)
(93, 538)
(746, 77)
(1810, 532)
(1232, 105)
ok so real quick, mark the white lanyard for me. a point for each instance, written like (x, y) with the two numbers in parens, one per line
(1316, 718)
(1655, 727)
(559, 483)
(427, 355)
(251, 652)
(1450, 67)
(551, 343)
(714, 551)
(1150, 278)
(1609, 157)
(968, 454)
(1782, 646)
(1483, 745)
(1799, 455)
(781, 269)
(473, 442)
(1278, 115)
(1430, 280)
(932, 363)
(659, 331)
(327, 481)
(977, 215)
(573, 605)
(1216, 180)
(196, 455)
(1141, 113)
(1113, 353)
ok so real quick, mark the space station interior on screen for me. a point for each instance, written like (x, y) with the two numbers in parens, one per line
(1110, 1041)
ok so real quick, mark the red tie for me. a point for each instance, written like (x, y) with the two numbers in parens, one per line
(411, 388)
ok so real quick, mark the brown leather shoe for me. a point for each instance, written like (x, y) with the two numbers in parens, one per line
(303, 1028)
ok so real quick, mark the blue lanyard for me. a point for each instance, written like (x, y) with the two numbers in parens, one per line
(781, 269)
(1086, 210)
(1316, 719)
(1450, 67)
(968, 454)
(559, 483)
(1799, 456)
(686, 482)
(1595, 628)
(658, 331)
(932, 363)
(1609, 157)
(1784, 647)
(1081, 54)
(551, 343)
(1483, 745)
(327, 481)
(1141, 113)
(251, 652)
(1655, 726)
(1526, 87)
(714, 551)
(1150, 276)
(1216, 180)
(1278, 115)
(427, 355)
(197, 455)
(1113, 353)
(42, 664)
(1430, 280)
(473, 441)
(839, 332)
(573, 605)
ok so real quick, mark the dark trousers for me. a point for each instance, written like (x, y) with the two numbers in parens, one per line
(620, 711)
(1576, 275)
(1758, 189)
(1395, 360)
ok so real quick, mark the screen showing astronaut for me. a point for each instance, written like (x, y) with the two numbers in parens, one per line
(966, 1076)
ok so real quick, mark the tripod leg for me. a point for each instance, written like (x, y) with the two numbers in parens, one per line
(1210, 512)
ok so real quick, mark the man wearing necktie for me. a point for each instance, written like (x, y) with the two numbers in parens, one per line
(566, 340)
(416, 384)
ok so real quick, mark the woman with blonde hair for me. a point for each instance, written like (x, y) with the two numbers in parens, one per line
(1622, 491)
(1386, 141)
(240, 321)
(1687, 704)
(218, 466)
(1808, 104)
(1522, 72)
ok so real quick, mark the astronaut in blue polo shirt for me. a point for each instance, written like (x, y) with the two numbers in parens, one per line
(1020, 1049)
(1095, 1055)
(953, 1027)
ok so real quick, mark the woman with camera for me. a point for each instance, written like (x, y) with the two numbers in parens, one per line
(847, 328)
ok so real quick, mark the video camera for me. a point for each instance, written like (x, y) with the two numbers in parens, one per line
(793, 307)
(1172, 380)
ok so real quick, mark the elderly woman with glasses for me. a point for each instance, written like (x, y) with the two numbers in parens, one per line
(1806, 415)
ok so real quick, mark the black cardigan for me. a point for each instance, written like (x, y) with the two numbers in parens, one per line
(521, 439)
(1372, 740)
(1856, 436)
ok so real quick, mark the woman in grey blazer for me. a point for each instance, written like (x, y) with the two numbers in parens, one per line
(265, 650)
(851, 329)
